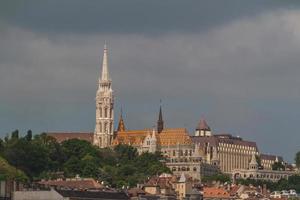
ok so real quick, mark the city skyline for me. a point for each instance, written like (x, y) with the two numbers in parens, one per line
(236, 68)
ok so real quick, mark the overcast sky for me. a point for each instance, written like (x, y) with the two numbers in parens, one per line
(235, 63)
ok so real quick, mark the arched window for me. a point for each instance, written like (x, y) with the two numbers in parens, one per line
(194, 169)
(105, 112)
(100, 110)
(100, 126)
(110, 113)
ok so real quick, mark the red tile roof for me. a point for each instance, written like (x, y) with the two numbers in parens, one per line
(87, 183)
(214, 192)
(224, 138)
(62, 136)
(202, 125)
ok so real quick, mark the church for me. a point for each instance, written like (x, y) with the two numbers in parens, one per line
(204, 152)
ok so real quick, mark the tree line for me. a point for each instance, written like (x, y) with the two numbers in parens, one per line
(42, 157)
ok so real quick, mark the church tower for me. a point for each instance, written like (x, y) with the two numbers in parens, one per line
(103, 135)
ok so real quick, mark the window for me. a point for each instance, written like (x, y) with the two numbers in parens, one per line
(105, 112)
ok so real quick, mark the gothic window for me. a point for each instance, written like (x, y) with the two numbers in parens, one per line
(105, 112)
(100, 126)
(100, 110)
(110, 113)
(110, 127)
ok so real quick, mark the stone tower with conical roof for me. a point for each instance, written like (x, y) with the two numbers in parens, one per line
(253, 165)
(103, 134)
(203, 129)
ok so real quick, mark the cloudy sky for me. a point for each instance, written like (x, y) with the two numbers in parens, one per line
(234, 63)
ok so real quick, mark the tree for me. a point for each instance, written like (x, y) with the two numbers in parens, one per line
(278, 166)
(32, 159)
(223, 178)
(125, 152)
(1, 146)
(15, 134)
(258, 160)
(297, 159)
(29, 135)
(72, 167)
(78, 148)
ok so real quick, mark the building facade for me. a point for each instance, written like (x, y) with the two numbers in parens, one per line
(253, 172)
(231, 152)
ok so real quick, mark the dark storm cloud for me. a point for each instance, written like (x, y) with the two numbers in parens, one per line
(235, 64)
(133, 16)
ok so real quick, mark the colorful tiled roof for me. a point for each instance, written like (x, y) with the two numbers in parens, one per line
(169, 136)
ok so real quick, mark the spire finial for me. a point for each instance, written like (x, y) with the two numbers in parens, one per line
(105, 74)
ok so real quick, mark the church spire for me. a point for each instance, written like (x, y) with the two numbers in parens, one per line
(104, 128)
(105, 74)
(160, 122)
(121, 125)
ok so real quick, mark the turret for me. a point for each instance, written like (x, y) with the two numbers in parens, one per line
(253, 163)
(203, 129)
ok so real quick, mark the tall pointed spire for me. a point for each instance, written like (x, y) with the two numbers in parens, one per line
(105, 73)
(104, 128)
(121, 125)
(160, 122)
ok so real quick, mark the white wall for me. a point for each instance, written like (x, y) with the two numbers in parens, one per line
(37, 195)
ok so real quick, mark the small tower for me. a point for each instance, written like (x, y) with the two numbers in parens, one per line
(121, 125)
(153, 142)
(103, 134)
(160, 122)
(215, 160)
(253, 165)
(203, 129)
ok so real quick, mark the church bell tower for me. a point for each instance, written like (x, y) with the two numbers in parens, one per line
(103, 134)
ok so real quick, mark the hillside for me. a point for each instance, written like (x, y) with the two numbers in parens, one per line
(9, 172)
